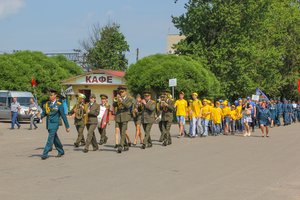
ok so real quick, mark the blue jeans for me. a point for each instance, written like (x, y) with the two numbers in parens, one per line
(233, 126)
(217, 129)
(53, 139)
(197, 127)
(14, 119)
(205, 126)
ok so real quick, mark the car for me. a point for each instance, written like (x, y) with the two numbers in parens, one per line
(24, 100)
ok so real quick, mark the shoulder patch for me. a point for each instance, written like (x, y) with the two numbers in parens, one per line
(59, 103)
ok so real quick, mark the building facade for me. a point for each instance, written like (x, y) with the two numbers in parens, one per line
(95, 82)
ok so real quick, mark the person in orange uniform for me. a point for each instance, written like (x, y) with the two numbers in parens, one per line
(181, 107)
(226, 116)
(206, 116)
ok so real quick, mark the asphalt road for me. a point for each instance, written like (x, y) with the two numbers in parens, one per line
(212, 168)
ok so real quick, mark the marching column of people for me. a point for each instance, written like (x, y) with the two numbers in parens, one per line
(206, 118)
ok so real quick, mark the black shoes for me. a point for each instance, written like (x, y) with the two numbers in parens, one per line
(164, 144)
(44, 157)
(59, 155)
(126, 148)
(119, 150)
(103, 141)
(85, 151)
(149, 145)
(76, 145)
(143, 146)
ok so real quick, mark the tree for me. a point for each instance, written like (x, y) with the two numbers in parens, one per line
(106, 48)
(246, 45)
(153, 73)
(17, 70)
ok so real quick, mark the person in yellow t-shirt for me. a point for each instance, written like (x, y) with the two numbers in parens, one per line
(226, 116)
(206, 116)
(196, 116)
(233, 118)
(217, 119)
(239, 120)
(181, 107)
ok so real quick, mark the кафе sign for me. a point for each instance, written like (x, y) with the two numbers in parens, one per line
(98, 79)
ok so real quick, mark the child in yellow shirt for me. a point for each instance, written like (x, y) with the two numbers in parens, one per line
(206, 115)
(226, 116)
(217, 119)
(233, 118)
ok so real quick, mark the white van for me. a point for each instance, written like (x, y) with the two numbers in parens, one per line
(24, 100)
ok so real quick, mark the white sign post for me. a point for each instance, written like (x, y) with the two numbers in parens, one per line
(173, 84)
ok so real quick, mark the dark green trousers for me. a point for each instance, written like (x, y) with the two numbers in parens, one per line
(102, 132)
(123, 127)
(147, 128)
(80, 138)
(166, 126)
(91, 138)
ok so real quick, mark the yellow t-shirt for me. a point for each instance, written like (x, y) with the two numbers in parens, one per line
(233, 114)
(239, 112)
(206, 112)
(217, 115)
(181, 107)
(196, 108)
(226, 111)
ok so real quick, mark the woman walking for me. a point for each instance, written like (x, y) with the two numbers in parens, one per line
(137, 116)
(264, 118)
(247, 119)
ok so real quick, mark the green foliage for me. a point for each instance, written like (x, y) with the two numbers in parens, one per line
(246, 45)
(107, 48)
(153, 73)
(17, 70)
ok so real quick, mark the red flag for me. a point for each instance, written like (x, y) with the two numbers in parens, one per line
(298, 85)
(33, 82)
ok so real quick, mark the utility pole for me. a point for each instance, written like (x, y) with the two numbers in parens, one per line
(137, 54)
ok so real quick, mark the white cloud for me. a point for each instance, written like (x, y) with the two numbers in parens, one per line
(10, 7)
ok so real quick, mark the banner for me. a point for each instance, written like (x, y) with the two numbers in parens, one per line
(68, 91)
(261, 94)
(298, 85)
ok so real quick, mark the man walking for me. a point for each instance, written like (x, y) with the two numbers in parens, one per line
(148, 118)
(166, 107)
(53, 110)
(92, 121)
(79, 110)
(15, 108)
(122, 104)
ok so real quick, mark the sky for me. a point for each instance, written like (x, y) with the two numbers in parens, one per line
(60, 25)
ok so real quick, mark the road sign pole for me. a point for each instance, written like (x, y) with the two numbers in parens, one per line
(173, 92)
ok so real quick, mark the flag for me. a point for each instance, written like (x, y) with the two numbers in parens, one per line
(261, 94)
(298, 85)
(33, 82)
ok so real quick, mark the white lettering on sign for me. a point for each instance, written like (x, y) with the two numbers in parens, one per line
(98, 79)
